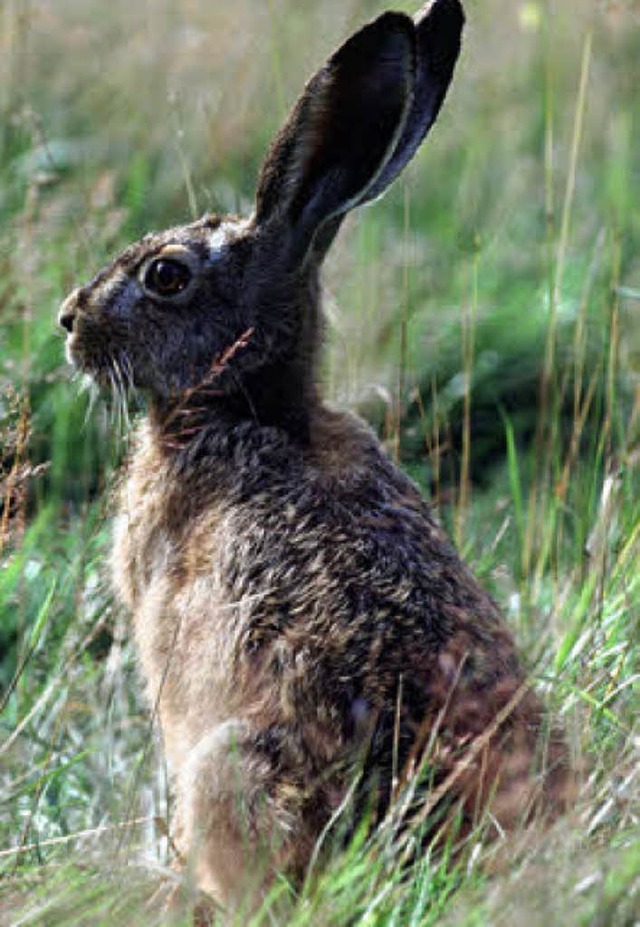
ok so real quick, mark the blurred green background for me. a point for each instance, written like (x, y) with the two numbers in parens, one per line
(484, 316)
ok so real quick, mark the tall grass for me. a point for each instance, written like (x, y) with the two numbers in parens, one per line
(484, 316)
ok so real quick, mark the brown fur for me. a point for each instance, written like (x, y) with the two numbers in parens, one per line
(300, 616)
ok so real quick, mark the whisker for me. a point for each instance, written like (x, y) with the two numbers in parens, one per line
(114, 411)
(128, 372)
(91, 388)
(122, 393)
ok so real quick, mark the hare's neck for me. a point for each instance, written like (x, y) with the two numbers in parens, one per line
(282, 402)
(220, 456)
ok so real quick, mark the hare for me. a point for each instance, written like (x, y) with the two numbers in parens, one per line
(303, 623)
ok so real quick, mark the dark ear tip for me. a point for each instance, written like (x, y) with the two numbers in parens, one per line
(388, 27)
(439, 29)
(445, 16)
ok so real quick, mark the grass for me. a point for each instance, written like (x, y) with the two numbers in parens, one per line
(484, 316)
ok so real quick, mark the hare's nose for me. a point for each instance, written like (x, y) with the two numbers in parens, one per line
(67, 314)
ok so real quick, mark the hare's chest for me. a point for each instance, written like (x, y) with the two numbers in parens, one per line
(168, 573)
(142, 548)
(154, 514)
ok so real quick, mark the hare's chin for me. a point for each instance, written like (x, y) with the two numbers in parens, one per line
(75, 357)
(69, 352)
(82, 365)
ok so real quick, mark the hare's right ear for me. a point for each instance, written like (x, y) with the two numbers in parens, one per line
(341, 132)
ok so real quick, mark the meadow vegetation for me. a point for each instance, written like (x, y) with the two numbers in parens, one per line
(484, 316)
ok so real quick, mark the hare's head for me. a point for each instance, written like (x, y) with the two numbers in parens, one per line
(168, 308)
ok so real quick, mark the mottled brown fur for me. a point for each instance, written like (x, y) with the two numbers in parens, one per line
(300, 616)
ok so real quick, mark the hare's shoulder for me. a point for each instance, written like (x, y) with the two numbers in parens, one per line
(345, 534)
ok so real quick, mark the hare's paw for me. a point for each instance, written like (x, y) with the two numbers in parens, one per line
(237, 833)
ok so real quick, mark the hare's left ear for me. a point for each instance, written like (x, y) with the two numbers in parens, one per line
(357, 123)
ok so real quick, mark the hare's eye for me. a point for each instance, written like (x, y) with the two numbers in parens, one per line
(166, 277)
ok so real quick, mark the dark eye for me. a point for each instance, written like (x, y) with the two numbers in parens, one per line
(167, 277)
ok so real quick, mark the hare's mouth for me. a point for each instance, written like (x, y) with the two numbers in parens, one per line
(110, 370)
(72, 353)
(80, 358)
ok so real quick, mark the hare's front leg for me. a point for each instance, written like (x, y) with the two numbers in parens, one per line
(235, 829)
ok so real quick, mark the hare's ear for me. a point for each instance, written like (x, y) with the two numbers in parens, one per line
(359, 121)
(438, 27)
(341, 133)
